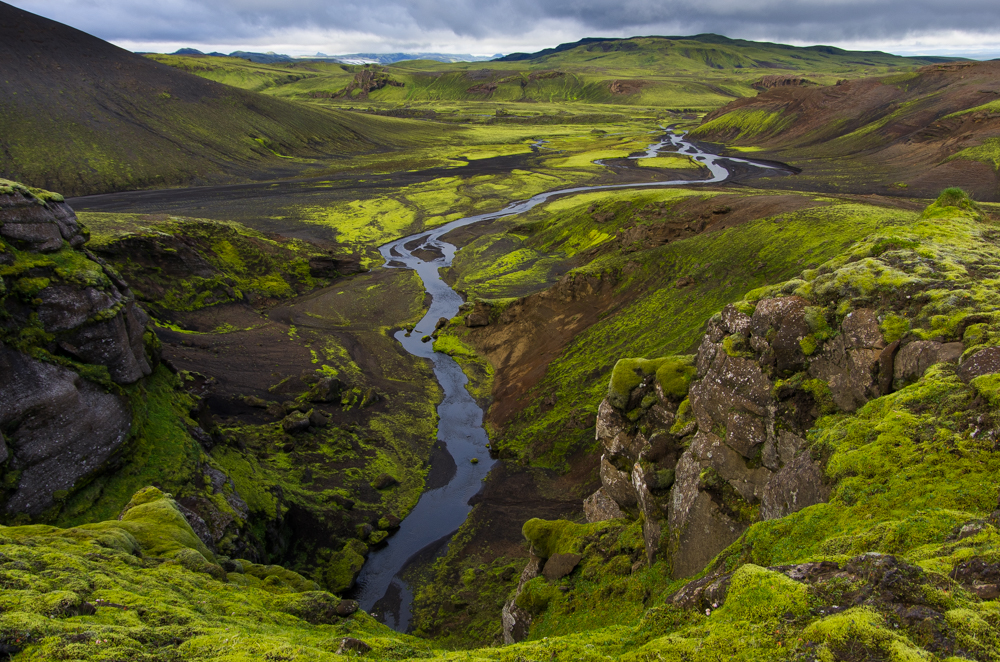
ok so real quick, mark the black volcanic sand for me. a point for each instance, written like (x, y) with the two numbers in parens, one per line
(273, 206)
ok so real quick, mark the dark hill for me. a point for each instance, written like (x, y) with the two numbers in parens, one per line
(80, 115)
(911, 133)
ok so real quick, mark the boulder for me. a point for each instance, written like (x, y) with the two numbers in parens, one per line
(984, 362)
(319, 419)
(617, 484)
(861, 330)
(384, 481)
(350, 645)
(914, 358)
(296, 422)
(770, 313)
(479, 315)
(37, 220)
(61, 429)
(347, 607)
(599, 507)
(558, 566)
(734, 321)
(797, 485)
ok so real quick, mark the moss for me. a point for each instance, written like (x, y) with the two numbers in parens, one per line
(862, 628)
(953, 201)
(554, 537)
(344, 566)
(153, 519)
(758, 594)
(675, 375)
(627, 374)
(894, 327)
(683, 417)
(536, 595)
(988, 387)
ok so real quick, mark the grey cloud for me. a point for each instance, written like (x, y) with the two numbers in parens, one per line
(817, 21)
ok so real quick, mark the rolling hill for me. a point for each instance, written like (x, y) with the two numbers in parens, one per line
(908, 134)
(82, 116)
(697, 73)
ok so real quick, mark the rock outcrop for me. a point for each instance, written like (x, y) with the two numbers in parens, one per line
(70, 333)
(700, 462)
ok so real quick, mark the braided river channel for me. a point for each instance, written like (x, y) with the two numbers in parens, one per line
(438, 514)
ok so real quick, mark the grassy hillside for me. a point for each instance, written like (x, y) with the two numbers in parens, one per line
(681, 73)
(82, 116)
(904, 134)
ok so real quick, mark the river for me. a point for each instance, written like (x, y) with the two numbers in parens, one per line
(440, 512)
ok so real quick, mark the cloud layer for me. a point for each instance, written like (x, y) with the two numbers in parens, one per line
(338, 26)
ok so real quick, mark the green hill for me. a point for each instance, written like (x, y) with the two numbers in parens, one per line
(681, 73)
(82, 116)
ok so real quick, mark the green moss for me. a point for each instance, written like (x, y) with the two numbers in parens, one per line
(894, 327)
(554, 537)
(744, 123)
(627, 374)
(953, 202)
(758, 594)
(536, 595)
(344, 566)
(683, 417)
(675, 375)
(988, 387)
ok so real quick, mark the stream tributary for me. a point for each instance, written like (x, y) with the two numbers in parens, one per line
(380, 590)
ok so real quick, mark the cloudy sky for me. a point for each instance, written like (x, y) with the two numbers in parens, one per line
(303, 27)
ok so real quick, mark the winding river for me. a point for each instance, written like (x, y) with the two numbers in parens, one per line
(440, 511)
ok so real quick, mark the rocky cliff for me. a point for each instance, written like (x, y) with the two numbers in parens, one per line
(699, 448)
(71, 336)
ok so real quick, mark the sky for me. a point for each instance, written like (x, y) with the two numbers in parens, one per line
(968, 28)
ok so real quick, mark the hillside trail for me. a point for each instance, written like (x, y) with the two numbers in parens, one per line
(438, 514)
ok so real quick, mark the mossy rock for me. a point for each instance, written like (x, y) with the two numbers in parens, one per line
(535, 596)
(674, 373)
(554, 537)
(757, 594)
(278, 579)
(152, 519)
(953, 201)
(316, 607)
(344, 566)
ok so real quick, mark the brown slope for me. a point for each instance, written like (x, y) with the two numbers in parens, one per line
(876, 135)
(81, 116)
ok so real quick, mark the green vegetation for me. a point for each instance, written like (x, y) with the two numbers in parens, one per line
(158, 255)
(740, 124)
(692, 73)
(651, 316)
(478, 370)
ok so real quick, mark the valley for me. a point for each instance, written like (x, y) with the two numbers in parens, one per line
(656, 348)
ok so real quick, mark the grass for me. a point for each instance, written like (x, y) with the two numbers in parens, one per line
(682, 74)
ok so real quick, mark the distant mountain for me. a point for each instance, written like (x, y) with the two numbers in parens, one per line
(79, 115)
(783, 51)
(392, 58)
(262, 58)
(354, 58)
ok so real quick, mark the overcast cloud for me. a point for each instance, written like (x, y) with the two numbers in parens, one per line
(300, 27)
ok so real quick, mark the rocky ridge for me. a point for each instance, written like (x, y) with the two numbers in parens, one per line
(71, 335)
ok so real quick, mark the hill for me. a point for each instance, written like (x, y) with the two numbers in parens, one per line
(697, 73)
(907, 134)
(82, 116)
